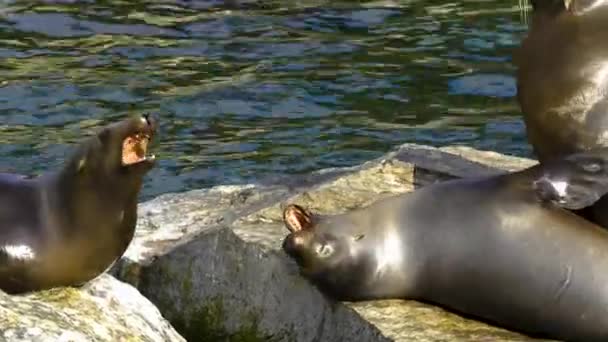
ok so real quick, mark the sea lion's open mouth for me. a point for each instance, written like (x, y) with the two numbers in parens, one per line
(134, 148)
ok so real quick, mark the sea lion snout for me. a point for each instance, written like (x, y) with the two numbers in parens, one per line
(146, 118)
(575, 181)
(294, 243)
(147, 123)
(299, 222)
(137, 136)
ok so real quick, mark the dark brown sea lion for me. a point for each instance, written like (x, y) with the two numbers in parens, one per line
(501, 249)
(66, 227)
(562, 81)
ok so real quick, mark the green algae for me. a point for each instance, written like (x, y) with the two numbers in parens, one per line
(57, 310)
(206, 323)
(64, 296)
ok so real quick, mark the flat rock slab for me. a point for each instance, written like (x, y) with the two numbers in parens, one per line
(211, 260)
(103, 310)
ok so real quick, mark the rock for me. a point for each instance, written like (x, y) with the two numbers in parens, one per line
(211, 260)
(213, 286)
(103, 310)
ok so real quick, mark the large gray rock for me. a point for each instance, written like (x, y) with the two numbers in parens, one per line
(214, 286)
(211, 260)
(103, 310)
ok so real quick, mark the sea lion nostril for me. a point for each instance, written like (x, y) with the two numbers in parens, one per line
(146, 117)
(298, 240)
(292, 243)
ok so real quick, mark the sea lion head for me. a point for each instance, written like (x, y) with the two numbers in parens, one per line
(331, 253)
(574, 181)
(117, 154)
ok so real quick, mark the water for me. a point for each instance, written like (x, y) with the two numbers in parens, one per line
(259, 88)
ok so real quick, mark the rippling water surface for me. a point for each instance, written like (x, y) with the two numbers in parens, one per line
(250, 89)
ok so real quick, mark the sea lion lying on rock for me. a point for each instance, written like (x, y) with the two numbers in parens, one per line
(500, 248)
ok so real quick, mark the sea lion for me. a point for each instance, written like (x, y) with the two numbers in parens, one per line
(66, 227)
(502, 249)
(562, 81)
(562, 77)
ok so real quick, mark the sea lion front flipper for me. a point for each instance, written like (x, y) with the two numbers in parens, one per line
(575, 181)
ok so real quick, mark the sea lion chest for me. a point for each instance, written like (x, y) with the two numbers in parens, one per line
(48, 237)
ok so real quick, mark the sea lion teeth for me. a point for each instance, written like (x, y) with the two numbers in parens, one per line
(135, 148)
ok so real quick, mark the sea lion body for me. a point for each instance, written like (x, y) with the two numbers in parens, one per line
(67, 227)
(488, 248)
(562, 81)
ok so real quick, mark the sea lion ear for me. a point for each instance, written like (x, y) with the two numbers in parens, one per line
(575, 181)
(81, 164)
(297, 218)
(78, 163)
(104, 135)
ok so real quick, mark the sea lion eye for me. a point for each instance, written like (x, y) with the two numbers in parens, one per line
(359, 237)
(324, 250)
(592, 167)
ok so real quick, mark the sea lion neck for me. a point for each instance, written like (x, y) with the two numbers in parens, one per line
(108, 186)
(100, 203)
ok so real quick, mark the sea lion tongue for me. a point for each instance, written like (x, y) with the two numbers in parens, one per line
(134, 148)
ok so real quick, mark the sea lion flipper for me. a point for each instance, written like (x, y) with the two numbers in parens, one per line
(576, 181)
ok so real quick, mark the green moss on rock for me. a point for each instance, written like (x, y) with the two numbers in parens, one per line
(207, 324)
(64, 296)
